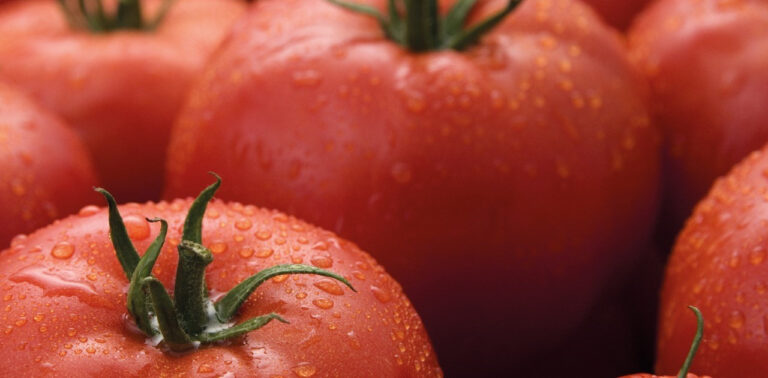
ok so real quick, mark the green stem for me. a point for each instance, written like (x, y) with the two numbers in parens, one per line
(91, 15)
(421, 24)
(167, 316)
(137, 297)
(424, 29)
(190, 291)
(695, 344)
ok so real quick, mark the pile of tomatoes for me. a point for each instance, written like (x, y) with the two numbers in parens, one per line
(519, 174)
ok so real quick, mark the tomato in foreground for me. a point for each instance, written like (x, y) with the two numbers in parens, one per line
(502, 178)
(45, 171)
(718, 265)
(118, 84)
(69, 307)
(706, 61)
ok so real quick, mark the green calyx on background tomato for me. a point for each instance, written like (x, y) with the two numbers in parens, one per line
(91, 15)
(190, 318)
(420, 27)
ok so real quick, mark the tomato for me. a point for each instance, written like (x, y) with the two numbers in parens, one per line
(65, 298)
(718, 264)
(45, 171)
(121, 89)
(618, 14)
(502, 185)
(706, 63)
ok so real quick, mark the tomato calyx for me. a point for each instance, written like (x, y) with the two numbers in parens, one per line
(694, 344)
(190, 318)
(91, 15)
(417, 25)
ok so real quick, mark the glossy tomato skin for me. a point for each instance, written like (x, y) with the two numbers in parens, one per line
(718, 265)
(119, 90)
(501, 185)
(706, 63)
(618, 14)
(64, 294)
(45, 170)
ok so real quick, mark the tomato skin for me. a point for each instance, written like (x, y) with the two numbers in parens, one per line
(706, 64)
(45, 171)
(618, 14)
(479, 165)
(121, 90)
(718, 265)
(65, 295)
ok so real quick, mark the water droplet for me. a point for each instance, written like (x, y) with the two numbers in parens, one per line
(321, 261)
(92, 276)
(323, 303)
(63, 250)
(218, 247)
(330, 287)
(38, 317)
(43, 329)
(401, 172)
(137, 227)
(243, 224)
(88, 211)
(305, 370)
(205, 368)
(281, 278)
(18, 188)
(20, 322)
(736, 320)
(246, 252)
(90, 349)
(380, 294)
(265, 252)
(301, 295)
(757, 255)
(306, 78)
(264, 234)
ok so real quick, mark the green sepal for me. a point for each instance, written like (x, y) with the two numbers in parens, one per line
(694, 344)
(167, 317)
(470, 36)
(228, 305)
(193, 224)
(91, 15)
(190, 293)
(137, 296)
(240, 329)
(126, 252)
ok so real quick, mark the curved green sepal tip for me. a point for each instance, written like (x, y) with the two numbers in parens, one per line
(126, 252)
(240, 329)
(695, 344)
(193, 224)
(228, 305)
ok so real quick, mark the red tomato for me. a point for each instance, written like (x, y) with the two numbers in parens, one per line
(618, 13)
(45, 171)
(706, 61)
(119, 90)
(502, 186)
(718, 264)
(65, 299)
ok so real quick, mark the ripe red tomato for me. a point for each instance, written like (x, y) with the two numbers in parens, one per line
(706, 61)
(45, 171)
(718, 264)
(618, 14)
(502, 186)
(64, 294)
(120, 90)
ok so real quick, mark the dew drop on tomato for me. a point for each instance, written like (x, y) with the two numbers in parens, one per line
(329, 287)
(323, 303)
(305, 370)
(89, 210)
(63, 250)
(137, 227)
(380, 294)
